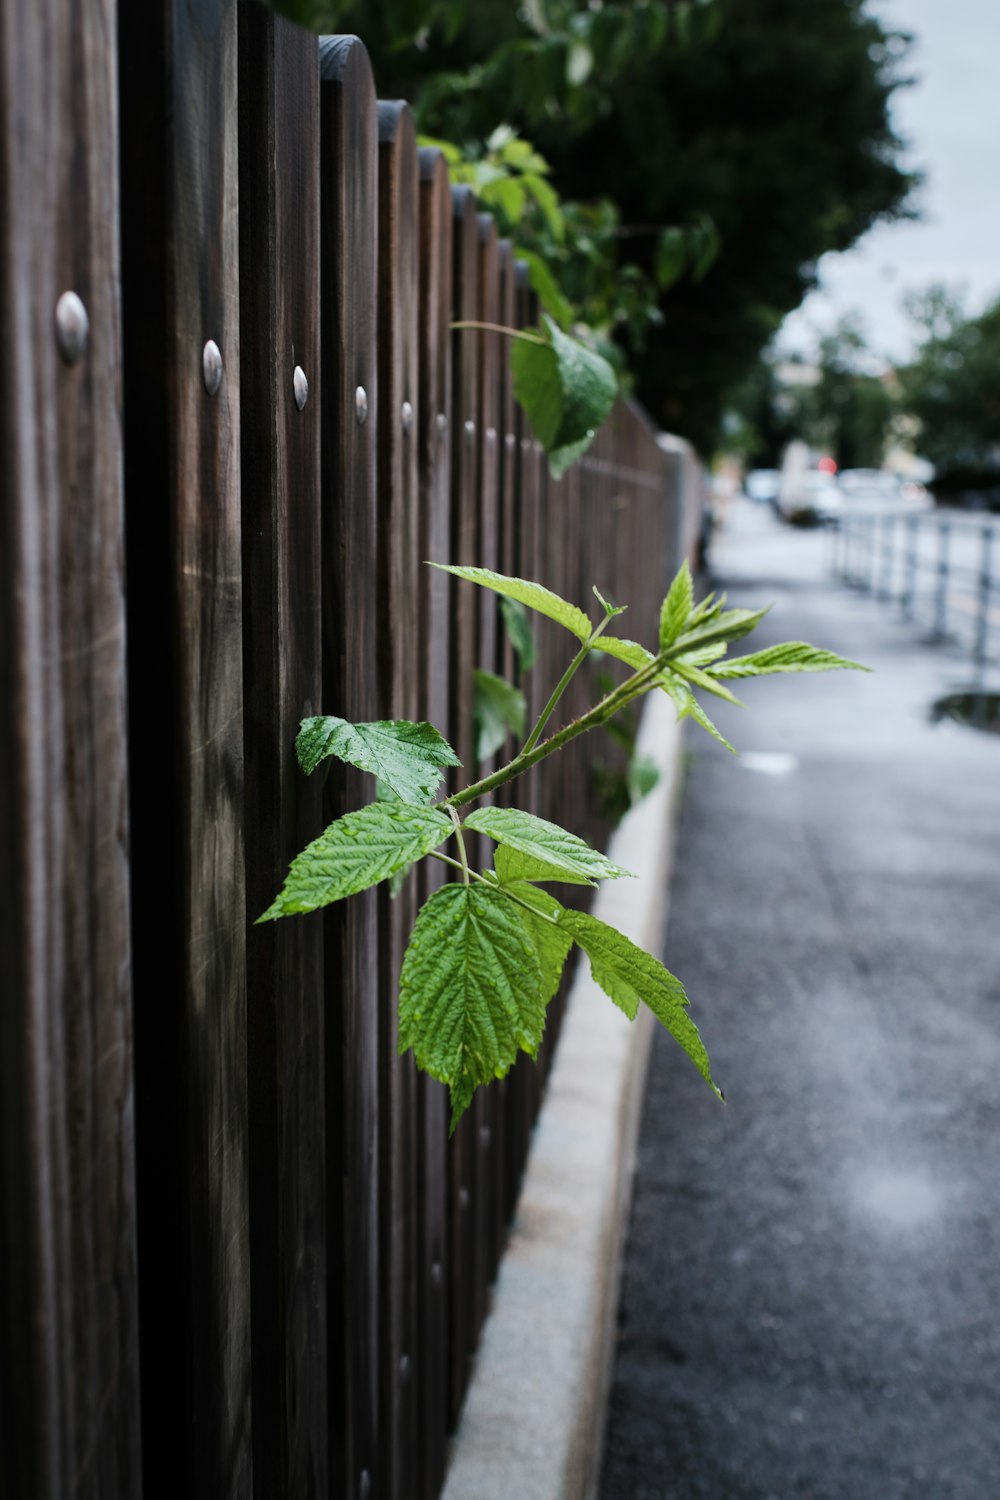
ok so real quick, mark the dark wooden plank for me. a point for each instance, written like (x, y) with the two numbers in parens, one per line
(181, 259)
(279, 297)
(463, 661)
(69, 1400)
(492, 350)
(399, 681)
(348, 275)
(434, 483)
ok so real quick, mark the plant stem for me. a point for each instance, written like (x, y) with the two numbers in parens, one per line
(512, 895)
(511, 333)
(464, 866)
(633, 687)
(562, 685)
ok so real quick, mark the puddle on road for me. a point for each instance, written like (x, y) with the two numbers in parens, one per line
(903, 1201)
(768, 762)
(974, 709)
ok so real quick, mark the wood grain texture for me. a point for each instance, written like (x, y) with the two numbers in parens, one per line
(181, 245)
(349, 210)
(399, 681)
(494, 350)
(434, 485)
(282, 553)
(69, 1401)
(464, 658)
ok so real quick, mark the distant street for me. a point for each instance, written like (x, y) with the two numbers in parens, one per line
(811, 1302)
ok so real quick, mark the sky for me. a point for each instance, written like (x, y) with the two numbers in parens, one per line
(950, 120)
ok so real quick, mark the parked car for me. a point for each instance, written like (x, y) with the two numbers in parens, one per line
(879, 486)
(813, 499)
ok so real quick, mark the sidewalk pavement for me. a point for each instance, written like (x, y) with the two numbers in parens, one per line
(811, 1303)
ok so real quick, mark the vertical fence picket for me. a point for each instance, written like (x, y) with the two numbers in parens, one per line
(182, 452)
(279, 298)
(462, 663)
(399, 674)
(434, 635)
(349, 209)
(69, 1391)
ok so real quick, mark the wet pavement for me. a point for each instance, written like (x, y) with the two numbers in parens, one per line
(811, 1299)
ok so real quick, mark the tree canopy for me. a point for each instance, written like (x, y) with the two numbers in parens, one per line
(730, 144)
(952, 388)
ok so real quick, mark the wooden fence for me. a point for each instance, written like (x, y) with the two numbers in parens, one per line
(238, 1255)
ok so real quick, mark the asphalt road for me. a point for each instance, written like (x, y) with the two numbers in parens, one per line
(811, 1300)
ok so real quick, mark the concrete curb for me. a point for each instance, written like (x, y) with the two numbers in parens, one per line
(532, 1427)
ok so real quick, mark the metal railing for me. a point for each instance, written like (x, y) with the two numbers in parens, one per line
(939, 569)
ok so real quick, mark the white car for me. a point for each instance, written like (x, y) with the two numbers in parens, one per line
(814, 500)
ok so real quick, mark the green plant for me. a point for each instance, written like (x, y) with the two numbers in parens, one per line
(486, 952)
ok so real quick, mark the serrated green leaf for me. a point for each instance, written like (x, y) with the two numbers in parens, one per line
(511, 865)
(702, 656)
(543, 841)
(630, 652)
(688, 707)
(470, 989)
(562, 459)
(697, 678)
(628, 974)
(567, 391)
(727, 625)
(791, 656)
(589, 386)
(358, 851)
(498, 709)
(406, 757)
(676, 607)
(533, 595)
(709, 608)
(552, 943)
(517, 624)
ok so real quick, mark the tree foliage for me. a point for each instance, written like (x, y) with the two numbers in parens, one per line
(952, 387)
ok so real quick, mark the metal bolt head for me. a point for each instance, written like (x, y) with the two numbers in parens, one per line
(300, 387)
(406, 417)
(463, 1198)
(211, 367)
(361, 405)
(441, 423)
(404, 1367)
(491, 435)
(437, 1274)
(72, 327)
(470, 428)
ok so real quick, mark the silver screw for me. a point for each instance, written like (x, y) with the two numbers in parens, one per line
(441, 422)
(437, 1273)
(463, 1197)
(406, 415)
(470, 428)
(361, 404)
(510, 440)
(211, 367)
(72, 327)
(491, 435)
(404, 1367)
(300, 387)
